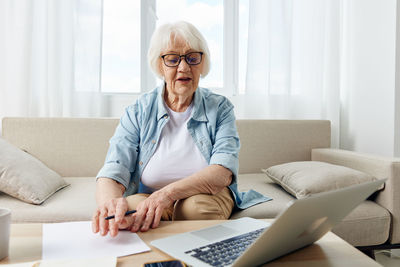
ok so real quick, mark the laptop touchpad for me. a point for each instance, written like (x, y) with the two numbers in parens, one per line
(215, 232)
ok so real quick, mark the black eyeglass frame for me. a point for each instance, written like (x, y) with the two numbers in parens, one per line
(180, 59)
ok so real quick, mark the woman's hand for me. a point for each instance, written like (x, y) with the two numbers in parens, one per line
(114, 206)
(149, 211)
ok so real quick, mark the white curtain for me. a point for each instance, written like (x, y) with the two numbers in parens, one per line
(293, 68)
(38, 54)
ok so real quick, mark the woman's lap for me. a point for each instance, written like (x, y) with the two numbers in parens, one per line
(197, 207)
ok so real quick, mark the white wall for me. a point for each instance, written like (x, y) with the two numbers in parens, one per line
(368, 96)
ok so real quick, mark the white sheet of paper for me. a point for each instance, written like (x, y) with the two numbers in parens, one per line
(74, 240)
(98, 262)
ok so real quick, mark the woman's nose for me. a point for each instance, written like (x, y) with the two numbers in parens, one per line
(183, 66)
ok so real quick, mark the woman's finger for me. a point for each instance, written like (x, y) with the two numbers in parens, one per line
(120, 209)
(95, 221)
(139, 216)
(157, 217)
(103, 222)
(112, 225)
(148, 220)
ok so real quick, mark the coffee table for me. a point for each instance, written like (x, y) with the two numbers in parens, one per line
(331, 250)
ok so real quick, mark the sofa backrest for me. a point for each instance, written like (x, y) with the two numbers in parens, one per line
(73, 147)
(76, 147)
(265, 143)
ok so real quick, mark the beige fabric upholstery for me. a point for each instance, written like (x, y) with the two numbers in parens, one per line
(368, 224)
(81, 144)
(74, 203)
(25, 177)
(264, 185)
(76, 148)
(305, 178)
(380, 167)
(72, 147)
(265, 143)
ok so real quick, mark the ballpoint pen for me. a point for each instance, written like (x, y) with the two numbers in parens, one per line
(126, 213)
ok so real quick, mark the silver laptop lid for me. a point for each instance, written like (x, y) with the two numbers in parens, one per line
(304, 222)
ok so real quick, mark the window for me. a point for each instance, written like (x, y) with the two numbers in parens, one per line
(127, 29)
(212, 28)
(120, 66)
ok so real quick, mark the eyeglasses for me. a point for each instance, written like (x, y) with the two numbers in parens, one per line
(173, 60)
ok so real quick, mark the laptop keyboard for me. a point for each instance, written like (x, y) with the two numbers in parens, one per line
(225, 252)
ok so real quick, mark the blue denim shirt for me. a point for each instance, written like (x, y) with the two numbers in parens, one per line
(212, 126)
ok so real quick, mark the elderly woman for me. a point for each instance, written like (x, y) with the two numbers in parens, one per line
(174, 154)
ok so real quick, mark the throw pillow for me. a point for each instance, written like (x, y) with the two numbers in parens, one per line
(305, 178)
(25, 177)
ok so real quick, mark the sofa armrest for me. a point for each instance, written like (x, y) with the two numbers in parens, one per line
(380, 167)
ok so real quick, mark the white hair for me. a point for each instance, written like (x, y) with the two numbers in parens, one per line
(165, 36)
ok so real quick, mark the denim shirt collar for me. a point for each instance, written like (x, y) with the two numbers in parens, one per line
(198, 113)
(161, 110)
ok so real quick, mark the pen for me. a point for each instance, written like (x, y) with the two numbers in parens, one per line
(126, 213)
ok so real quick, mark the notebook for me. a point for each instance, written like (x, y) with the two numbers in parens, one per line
(250, 242)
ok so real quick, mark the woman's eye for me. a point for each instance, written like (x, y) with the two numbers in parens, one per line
(173, 61)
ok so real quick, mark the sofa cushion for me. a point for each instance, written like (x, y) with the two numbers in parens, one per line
(25, 177)
(367, 224)
(74, 203)
(265, 186)
(305, 178)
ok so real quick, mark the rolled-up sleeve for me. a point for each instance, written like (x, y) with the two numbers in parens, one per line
(226, 147)
(122, 153)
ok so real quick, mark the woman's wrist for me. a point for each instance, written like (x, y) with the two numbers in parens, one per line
(107, 189)
(168, 193)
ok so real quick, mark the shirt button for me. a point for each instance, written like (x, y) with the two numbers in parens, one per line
(140, 163)
(153, 141)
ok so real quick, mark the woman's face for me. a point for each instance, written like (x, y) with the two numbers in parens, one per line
(183, 79)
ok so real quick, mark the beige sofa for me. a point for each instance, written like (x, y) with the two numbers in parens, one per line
(76, 147)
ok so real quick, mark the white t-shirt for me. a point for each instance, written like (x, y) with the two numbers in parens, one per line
(176, 155)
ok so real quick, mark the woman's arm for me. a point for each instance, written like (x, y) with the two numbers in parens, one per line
(119, 164)
(209, 180)
(107, 189)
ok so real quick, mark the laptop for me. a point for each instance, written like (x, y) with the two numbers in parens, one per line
(250, 242)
